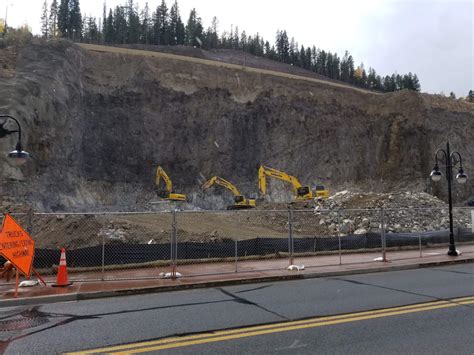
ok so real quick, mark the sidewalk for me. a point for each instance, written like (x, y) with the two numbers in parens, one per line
(220, 274)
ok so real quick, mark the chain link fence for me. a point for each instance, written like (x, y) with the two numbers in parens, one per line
(465, 226)
(140, 245)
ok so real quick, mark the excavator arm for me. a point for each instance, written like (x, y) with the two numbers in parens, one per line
(161, 174)
(221, 182)
(168, 192)
(301, 192)
(265, 171)
(240, 202)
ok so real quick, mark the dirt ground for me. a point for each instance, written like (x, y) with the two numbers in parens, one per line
(345, 213)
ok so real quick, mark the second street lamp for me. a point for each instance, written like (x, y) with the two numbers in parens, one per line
(18, 156)
(451, 160)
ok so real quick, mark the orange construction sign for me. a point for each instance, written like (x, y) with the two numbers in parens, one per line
(16, 245)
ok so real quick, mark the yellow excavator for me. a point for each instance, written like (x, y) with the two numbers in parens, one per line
(167, 193)
(240, 202)
(301, 193)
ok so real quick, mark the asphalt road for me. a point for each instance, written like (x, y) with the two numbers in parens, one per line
(282, 312)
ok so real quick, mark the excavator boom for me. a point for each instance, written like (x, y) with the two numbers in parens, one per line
(168, 192)
(240, 202)
(301, 193)
(265, 171)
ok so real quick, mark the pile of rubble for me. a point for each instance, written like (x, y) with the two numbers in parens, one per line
(358, 213)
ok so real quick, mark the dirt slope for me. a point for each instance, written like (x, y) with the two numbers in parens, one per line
(98, 121)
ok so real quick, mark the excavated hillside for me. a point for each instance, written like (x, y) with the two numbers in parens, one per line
(98, 120)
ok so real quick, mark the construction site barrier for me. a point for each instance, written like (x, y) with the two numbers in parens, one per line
(124, 254)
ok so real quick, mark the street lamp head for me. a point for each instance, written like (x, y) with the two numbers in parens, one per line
(18, 156)
(461, 177)
(436, 174)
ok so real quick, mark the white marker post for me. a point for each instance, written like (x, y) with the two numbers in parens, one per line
(472, 221)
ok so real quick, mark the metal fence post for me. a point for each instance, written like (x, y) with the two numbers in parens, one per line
(338, 221)
(174, 244)
(290, 233)
(384, 252)
(419, 242)
(103, 256)
(236, 250)
(30, 222)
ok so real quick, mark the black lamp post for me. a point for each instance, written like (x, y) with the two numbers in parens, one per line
(18, 156)
(450, 160)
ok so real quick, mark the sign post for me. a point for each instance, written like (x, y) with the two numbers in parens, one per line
(18, 247)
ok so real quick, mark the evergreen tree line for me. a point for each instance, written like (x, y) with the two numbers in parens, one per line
(62, 20)
(128, 24)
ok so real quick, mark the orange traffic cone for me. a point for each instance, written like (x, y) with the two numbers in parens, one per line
(62, 280)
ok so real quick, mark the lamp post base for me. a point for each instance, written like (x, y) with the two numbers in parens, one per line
(454, 252)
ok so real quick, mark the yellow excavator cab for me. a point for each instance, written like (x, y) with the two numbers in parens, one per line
(321, 192)
(240, 202)
(167, 193)
(301, 193)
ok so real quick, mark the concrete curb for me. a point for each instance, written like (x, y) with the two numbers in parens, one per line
(205, 284)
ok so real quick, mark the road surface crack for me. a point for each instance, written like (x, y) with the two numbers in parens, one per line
(250, 303)
(399, 290)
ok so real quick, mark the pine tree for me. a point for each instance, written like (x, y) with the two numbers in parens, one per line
(53, 19)
(378, 83)
(85, 29)
(90, 29)
(104, 20)
(161, 32)
(302, 57)
(399, 82)
(336, 70)
(177, 31)
(236, 38)
(133, 28)
(180, 32)
(109, 30)
(212, 36)
(194, 30)
(371, 78)
(350, 63)
(283, 47)
(387, 84)
(364, 76)
(309, 61)
(329, 66)
(269, 52)
(75, 20)
(63, 18)
(416, 83)
(393, 83)
(164, 23)
(293, 52)
(119, 25)
(322, 63)
(259, 45)
(243, 41)
(345, 67)
(173, 24)
(44, 20)
(145, 34)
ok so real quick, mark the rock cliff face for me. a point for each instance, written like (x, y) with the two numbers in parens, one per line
(98, 124)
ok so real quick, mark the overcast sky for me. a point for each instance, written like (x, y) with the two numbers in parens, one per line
(433, 39)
